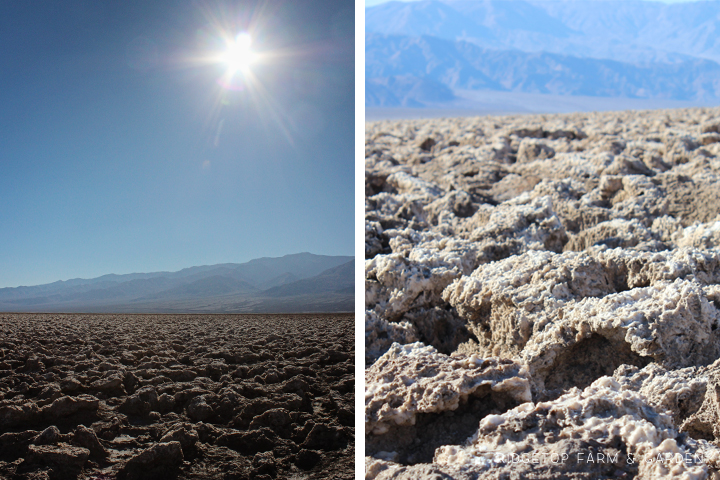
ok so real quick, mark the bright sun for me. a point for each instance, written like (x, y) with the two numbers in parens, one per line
(239, 54)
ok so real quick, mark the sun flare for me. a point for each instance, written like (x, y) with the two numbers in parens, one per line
(239, 55)
(246, 65)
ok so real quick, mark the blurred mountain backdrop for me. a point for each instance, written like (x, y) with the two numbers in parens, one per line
(429, 52)
(294, 283)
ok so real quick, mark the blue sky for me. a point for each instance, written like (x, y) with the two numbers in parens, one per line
(122, 152)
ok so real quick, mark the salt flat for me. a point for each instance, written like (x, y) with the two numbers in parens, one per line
(176, 396)
(542, 290)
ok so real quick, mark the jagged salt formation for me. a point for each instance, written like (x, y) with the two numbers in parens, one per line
(410, 384)
(602, 430)
(576, 315)
(583, 249)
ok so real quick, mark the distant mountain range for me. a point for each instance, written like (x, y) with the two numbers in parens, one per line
(301, 282)
(421, 53)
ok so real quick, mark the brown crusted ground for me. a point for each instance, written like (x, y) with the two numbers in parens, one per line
(176, 396)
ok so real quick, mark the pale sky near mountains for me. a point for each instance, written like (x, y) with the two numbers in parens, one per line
(370, 3)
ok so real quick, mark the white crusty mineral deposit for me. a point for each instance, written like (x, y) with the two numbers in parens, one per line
(543, 296)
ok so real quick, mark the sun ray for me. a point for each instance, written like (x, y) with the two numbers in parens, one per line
(240, 42)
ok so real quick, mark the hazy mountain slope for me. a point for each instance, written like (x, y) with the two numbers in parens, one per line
(687, 28)
(335, 280)
(93, 292)
(221, 288)
(405, 91)
(463, 65)
(209, 286)
(262, 272)
(423, 57)
(503, 16)
(429, 17)
(282, 279)
(622, 30)
(379, 94)
(128, 289)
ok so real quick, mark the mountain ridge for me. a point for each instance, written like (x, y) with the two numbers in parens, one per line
(623, 30)
(206, 288)
(422, 53)
(463, 65)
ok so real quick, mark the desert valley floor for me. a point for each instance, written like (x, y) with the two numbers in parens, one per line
(176, 396)
(543, 296)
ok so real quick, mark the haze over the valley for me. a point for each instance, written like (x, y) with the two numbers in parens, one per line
(521, 55)
(301, 282)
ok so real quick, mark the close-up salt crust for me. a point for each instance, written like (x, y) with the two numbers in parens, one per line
(543, 296)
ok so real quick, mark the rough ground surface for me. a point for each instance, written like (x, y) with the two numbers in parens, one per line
(176, 396)
(577, 252)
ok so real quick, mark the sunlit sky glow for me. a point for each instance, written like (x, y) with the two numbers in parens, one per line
(239, 55)
(147, 136)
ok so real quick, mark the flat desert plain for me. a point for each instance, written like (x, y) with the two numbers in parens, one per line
(176, 396)
(543, 296)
